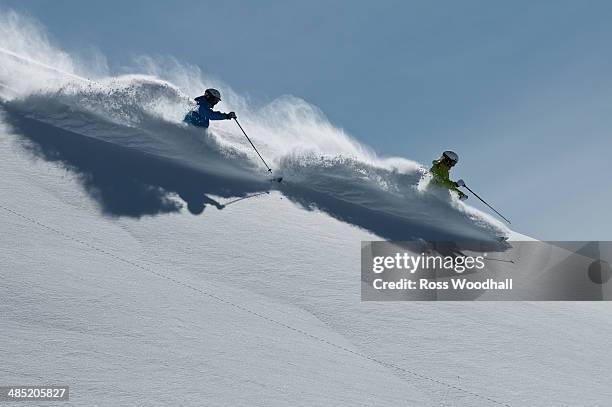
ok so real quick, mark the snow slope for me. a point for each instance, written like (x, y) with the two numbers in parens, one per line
(143, 263)
(254, 304)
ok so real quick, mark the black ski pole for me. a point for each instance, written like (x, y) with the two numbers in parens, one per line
(485, 202)
(254, 148)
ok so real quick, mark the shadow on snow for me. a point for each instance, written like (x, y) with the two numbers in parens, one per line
(133, 183)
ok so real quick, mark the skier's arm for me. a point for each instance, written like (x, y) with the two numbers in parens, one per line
(223, 116)
(455, 187)
(449, 184)
(214, 115)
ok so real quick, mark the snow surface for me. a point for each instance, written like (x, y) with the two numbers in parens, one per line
(144, 263)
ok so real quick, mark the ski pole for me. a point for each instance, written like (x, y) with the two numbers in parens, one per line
(485, 202)
(254, 148)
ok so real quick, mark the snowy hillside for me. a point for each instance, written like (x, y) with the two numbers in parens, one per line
(144, 263)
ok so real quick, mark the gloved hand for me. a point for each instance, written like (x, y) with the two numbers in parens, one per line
(230, 115)
(460, 183)
(462, 196)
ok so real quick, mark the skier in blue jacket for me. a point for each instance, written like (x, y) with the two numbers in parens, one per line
(204, 112)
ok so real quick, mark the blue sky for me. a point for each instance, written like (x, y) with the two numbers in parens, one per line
(521, 90)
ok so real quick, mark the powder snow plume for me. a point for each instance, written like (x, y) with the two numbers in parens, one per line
(141, 110)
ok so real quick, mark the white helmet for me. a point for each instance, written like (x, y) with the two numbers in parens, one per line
(451, 156)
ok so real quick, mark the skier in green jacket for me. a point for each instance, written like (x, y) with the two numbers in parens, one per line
(440, 170)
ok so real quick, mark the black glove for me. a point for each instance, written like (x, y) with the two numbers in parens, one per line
(230, 115)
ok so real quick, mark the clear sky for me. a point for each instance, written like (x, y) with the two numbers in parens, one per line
(522, 90)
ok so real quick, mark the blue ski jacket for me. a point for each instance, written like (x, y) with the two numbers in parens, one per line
(202, 115)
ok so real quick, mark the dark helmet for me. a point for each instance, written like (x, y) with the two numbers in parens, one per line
(450, 157)
(211, 95)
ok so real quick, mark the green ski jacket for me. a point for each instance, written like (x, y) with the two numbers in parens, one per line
(441, 176)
